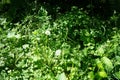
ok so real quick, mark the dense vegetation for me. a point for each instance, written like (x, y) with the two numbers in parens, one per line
(59, 40)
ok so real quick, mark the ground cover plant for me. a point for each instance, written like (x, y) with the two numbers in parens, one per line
(74, 46)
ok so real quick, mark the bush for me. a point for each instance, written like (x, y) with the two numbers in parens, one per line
(67, 48)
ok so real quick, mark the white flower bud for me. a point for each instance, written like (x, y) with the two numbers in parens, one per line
(25, 46)
(47, 32)
(57, 52)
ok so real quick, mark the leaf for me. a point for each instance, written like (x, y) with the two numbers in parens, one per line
(100, 50)
(62, 76)
(108, 64)
(102, 74)
(99, 64)
(117, 58)
(117, 75)
(11, 35)
(1, 45)
(91, 75)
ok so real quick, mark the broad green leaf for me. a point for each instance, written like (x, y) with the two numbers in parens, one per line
(91, 75)
(62, 76)
(107, 63)
(102, 74)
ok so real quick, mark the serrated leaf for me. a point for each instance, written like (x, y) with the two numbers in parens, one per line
(107, 63)
(62, 76)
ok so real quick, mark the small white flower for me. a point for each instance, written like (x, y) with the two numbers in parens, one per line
(57, 52)
(9, 71)
(25, 46)
(47, 32)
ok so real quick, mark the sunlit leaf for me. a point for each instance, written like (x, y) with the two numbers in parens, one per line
(11, 35)
(91, 75)
(99, 64)
(62, 76)
(102, 74)
(108, 64)
(100, 50)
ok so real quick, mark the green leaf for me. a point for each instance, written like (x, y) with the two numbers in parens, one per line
(1, 45)
(102, 74)
(107, 63)
(11, 35)
(117, 58)
(117, 75)
(62, 76)
(100, 50)
(99, 64)
(91, 75)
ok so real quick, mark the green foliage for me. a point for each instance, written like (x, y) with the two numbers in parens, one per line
(74, 46)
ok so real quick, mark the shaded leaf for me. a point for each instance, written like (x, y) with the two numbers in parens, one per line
(117, 75)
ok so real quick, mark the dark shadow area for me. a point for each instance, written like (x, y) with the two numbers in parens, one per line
(100, 8)
(16, 10)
